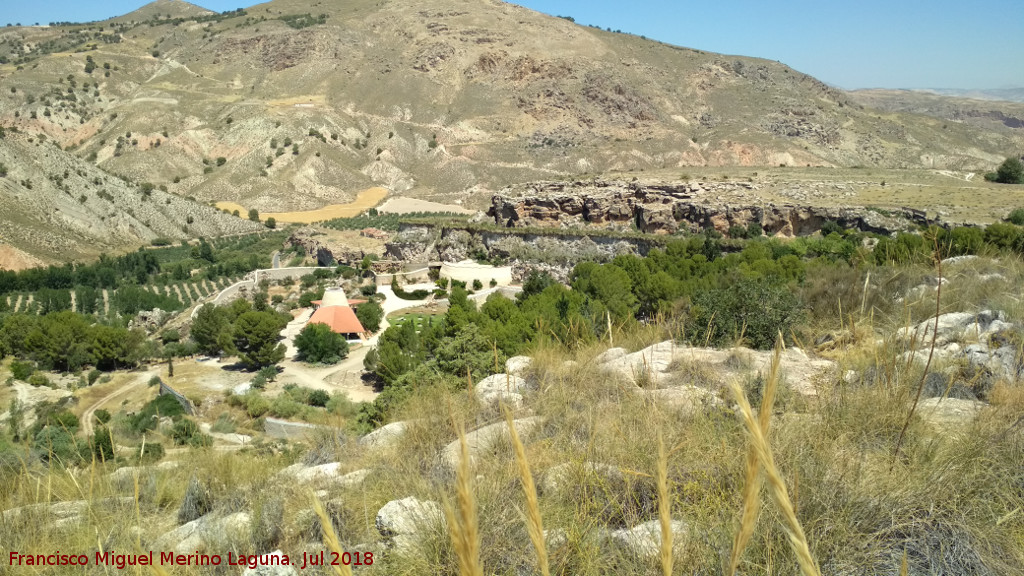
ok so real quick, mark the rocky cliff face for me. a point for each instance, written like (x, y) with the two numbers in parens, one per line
(665, 208)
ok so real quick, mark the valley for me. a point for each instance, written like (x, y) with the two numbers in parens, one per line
(463, 288)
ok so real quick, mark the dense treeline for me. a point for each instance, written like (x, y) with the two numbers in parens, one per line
(67, 342)
(709, 295)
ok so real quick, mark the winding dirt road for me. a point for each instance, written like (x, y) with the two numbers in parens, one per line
(90, 413)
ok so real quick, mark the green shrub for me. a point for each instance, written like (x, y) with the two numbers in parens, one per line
(22, 370)
(187, 432)
(319, 344)
(256, 405)
(102, 445)
(102, 416)
(318, 398)
(94, 375)
(1016, 217)
(757, 309)
(39, 380)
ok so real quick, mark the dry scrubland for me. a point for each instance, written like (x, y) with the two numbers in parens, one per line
(947, 499)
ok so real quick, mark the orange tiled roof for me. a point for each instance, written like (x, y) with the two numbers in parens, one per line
(341, 319)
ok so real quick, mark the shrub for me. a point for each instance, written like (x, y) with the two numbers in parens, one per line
(39, 380)
(102, 416)
(1016, 217)
(256, 405)
(22, 370)
(370, 315)
(94, 375)
(102, 444)
(756, 308)
(477, 284)
(187, 432)
(318, 343)
(318, 398)
(1011, 171)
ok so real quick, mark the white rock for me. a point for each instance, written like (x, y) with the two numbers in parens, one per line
(609, 355)
(518, 365)
(688, 399)
(483, 439)
(211, 528)
(321, 472)
(501, 388)
(407, 516)
(945, 412)
(385, 436)
(644, 540)
(647, 364)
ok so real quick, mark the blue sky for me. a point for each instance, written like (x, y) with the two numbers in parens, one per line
(865, 44)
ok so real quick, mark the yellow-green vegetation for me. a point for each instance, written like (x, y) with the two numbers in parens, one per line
(842, 494)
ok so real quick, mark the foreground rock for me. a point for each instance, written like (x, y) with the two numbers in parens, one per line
(945, 412)
(330, 474)
(385, 436)
(501, 388)
(644, 540)
(404, 521)
(208, 532)
(484, 439)
(518, 365)
(671, 367)
(984, 340)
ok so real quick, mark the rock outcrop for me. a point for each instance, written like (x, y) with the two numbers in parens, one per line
(326, 251)
(665, 208)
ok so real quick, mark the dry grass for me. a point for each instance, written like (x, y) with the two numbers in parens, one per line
(365, 200)
(951, 503)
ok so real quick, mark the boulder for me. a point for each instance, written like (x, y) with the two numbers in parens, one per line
(956, 326)
(946, 412)
(501, 388)
(385, 436)
(686, 399)
(483, 439)
(609, 355)
(403, 521)
(212, 528)
(518, 365)
(644, 365)
(643, 541)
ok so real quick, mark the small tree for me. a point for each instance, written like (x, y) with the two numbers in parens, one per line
(370, 315)
(318, 343)
(270, 223)
(1011, 171)
(254, 215)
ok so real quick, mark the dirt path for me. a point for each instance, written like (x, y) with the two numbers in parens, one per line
(89, 415)
(106, 302)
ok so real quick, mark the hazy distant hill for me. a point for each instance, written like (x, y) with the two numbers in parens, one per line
(309, 103)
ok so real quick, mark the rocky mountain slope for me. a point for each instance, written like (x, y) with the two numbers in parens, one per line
(292, 105)
(57, 207)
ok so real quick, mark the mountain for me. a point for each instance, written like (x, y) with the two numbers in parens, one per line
(57, 207)
(307, 104)
(163, 10)
(985, 113)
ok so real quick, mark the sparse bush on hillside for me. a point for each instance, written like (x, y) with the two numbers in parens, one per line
(1011, 171)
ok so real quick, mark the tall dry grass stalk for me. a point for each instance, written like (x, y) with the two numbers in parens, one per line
(462, 527)
(664, 509)
(777, 486)
(752, 477)
(928, 364)
(534, 524)
(330, 537)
